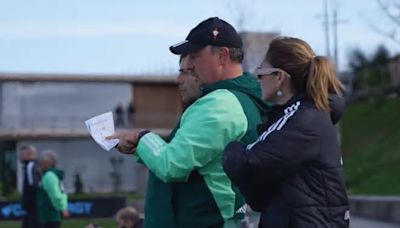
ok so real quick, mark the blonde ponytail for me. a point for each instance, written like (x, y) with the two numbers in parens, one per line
(311, 74)
(321, 81)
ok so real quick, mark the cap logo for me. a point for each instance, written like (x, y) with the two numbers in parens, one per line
(215, 33)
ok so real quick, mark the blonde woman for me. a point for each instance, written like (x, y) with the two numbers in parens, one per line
(293, 173)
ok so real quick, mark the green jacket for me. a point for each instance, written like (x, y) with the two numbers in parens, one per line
(52, 199)
(187, 186)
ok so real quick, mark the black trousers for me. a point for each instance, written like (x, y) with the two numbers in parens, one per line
(30, 220)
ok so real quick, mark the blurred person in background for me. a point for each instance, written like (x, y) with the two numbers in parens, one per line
(52, 202)
(131, 110)
(119, 116)
(129, 217)
(293, 173)
(31, 179)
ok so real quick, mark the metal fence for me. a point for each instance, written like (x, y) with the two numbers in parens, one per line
(37, 123)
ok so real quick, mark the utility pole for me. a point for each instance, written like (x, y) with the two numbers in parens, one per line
(335, 41)
(335, 56)
(334, 22)
(335, 38)
(326, 25)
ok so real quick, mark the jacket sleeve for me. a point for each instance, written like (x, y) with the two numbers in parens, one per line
(51, 185)
(205, 129)
(277, 155)
(32, 174)
(337, 105)
(36, 175)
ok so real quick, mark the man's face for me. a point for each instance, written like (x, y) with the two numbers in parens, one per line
(45, 164)
(206, 65)
(189, 85)
(28, 154)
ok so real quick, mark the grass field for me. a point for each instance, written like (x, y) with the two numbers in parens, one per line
(70, 223)
(371, 147)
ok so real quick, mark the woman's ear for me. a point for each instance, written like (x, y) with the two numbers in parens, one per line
(280, 78)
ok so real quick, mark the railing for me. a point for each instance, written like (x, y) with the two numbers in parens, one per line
(66, 126)
(40, 123)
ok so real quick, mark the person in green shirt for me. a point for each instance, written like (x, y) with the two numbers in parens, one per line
(52, 201)
(188, 82)
(159, 207)
(229, 108)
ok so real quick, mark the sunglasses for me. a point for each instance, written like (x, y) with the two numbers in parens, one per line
(261, 72)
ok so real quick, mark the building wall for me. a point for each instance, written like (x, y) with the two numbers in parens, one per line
(394, 69)
(1, 102)
(66, 105)
(61, 105)
(85, 157)
(255, 45)
(58, 104)
(157, 106)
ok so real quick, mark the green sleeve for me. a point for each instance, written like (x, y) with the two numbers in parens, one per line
(206, 127)
(51, 185)
(137, 159)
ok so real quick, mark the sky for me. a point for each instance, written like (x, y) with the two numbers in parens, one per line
(132, 37)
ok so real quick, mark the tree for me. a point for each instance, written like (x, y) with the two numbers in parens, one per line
(391, 8)
(358, 61)
(371, 72)
(8, 169)
(78, 185)
(242, 12)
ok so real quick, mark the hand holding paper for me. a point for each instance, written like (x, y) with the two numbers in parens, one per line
(100, 127)
(127, 140)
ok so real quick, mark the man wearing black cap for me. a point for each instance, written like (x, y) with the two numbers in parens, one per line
(187, 169)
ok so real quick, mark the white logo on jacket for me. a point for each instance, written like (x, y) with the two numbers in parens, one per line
(289, 112)
(347, 215)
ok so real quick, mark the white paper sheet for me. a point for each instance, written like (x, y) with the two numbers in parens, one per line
(100, 127)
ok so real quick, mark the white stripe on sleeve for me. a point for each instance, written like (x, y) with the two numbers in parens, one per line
(29, 172)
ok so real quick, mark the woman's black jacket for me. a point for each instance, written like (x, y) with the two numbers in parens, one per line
(293, 174)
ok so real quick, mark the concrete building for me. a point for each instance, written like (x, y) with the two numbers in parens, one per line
(49, 111)
(255, 45)
(394, 71)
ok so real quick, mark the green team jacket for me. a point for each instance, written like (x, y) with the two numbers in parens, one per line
(187, 186)
(52, 199)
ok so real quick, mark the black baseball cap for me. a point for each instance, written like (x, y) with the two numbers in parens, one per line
(213, 31)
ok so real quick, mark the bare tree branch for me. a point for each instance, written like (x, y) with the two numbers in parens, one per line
(391, 9)
(242, 12)
(389, 34)
(387, 8)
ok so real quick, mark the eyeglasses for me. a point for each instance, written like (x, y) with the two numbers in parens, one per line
(260, 71)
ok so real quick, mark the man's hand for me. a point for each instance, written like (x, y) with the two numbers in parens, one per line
(127, 140)
(65, 214)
